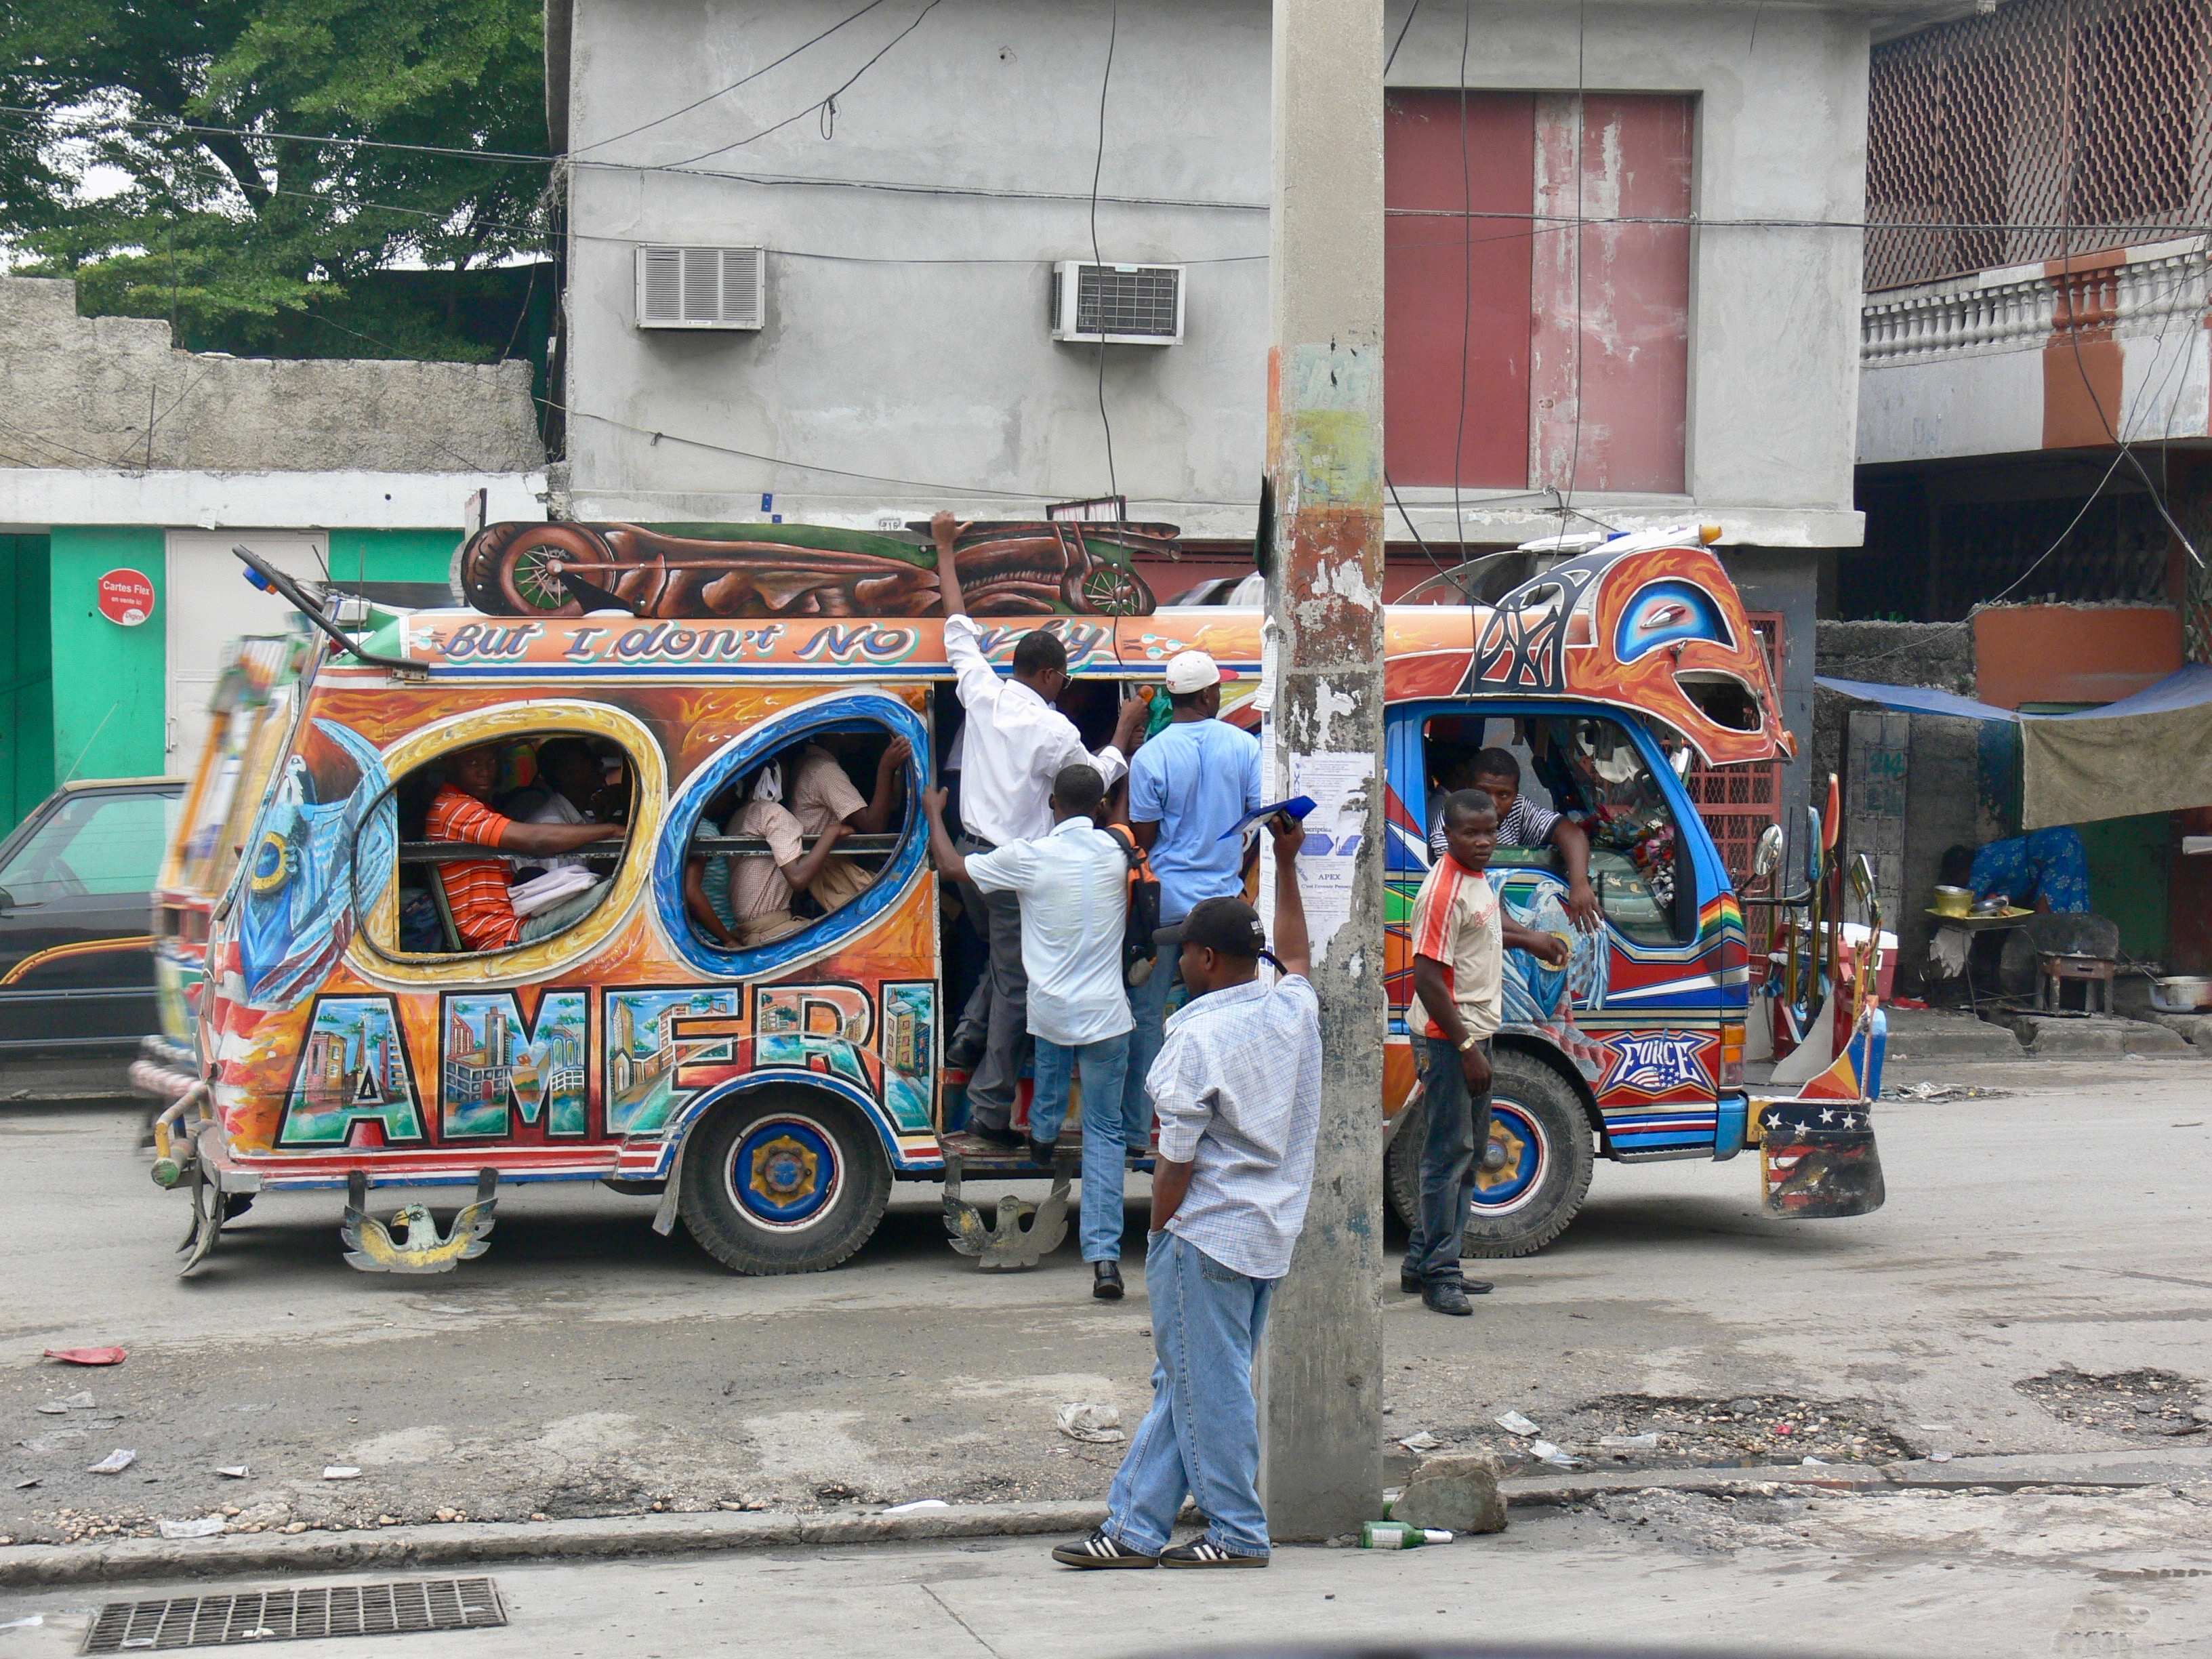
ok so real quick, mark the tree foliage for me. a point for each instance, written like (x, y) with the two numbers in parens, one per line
(237, 234)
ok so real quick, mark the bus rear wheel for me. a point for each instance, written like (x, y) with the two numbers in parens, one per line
(1532, 1175)
(788, 1183)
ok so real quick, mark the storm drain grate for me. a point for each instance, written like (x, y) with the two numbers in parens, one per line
(294, 1616)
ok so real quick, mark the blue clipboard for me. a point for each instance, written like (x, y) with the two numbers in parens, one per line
(1297, 807)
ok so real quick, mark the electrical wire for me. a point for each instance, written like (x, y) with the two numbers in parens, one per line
(1467, 278)
(819, 104)
(721, 92)
(1410, 15)
(1097, 170)
(1582, 236)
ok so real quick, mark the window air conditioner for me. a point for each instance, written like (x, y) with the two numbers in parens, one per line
(1117, 305)
(700, 287)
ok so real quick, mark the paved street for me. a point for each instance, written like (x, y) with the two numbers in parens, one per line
(587, 1367)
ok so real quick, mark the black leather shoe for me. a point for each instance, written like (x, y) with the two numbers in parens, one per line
(1006, 1139)
(1445, 1297)
(1106, 1280)
(1043, 1152)
(1409, 1281)
(1477, 1287)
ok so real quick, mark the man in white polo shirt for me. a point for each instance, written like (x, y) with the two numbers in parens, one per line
(1073, 888)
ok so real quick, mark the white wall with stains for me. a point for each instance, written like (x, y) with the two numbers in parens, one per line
(906, 358)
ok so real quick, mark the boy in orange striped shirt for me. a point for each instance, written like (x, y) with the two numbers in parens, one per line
(1460, 934)
(476, 888)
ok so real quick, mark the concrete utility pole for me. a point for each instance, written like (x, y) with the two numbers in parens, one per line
(1321, 1393)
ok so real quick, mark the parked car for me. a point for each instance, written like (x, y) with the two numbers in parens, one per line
(77, 969)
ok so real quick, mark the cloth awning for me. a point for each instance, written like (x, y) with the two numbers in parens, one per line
(2151, 752)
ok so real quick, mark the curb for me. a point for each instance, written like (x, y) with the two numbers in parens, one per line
(394, 1548)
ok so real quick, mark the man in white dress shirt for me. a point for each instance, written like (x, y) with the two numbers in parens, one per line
(1015, 743)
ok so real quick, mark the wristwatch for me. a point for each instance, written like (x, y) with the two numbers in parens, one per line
(1469, 1042)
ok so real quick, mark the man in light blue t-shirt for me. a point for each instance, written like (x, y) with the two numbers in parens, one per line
(1189, 784)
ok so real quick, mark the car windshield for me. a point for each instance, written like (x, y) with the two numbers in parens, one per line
(98, 844)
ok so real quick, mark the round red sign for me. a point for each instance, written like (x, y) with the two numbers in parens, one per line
(126, 597)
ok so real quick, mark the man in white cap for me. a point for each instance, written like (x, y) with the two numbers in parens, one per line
(1189, 786)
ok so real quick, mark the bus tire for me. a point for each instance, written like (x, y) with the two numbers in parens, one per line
(790, 1180)
(1545, 1152)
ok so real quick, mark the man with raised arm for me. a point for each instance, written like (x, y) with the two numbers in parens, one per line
(1237, 1088)
(1015, 743)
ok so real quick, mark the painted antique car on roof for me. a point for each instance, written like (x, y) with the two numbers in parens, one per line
(769, 1084)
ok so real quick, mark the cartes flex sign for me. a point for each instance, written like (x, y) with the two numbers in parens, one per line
(126, 597)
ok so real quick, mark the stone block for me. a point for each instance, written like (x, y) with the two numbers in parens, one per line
(1932, 1034)
(1454, 1489)
(2195, 1029)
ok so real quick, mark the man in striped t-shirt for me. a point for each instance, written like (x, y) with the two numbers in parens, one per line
(1461, 934)
(476, 888)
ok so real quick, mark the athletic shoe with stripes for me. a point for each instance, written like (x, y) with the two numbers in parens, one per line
(1100, 1550)
(1207, 1553)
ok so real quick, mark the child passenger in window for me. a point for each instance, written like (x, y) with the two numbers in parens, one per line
(742, 901)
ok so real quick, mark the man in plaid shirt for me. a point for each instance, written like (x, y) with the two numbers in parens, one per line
(1237, 1088)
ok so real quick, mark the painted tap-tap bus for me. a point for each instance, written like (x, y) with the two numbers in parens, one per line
(768, 1084)
(248, 720)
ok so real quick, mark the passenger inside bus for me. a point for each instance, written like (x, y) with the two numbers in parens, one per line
(1587, 770)
(490, 912)
(822, 793)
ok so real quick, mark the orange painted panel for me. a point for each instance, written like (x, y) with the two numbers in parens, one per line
(2072, 653)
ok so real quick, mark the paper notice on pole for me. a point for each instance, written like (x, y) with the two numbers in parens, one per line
(1339, 784)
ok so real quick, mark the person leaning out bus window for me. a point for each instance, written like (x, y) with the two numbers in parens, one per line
(743, 900)
(476, 888)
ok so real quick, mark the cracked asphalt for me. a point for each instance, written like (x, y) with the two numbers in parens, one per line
(587, 1367)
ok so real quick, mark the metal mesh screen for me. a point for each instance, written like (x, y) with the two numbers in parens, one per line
(257, 1617)
(2045, 128)
(1108, 301)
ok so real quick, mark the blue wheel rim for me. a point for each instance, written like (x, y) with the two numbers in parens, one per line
(785, 1173)
(1506, 1188)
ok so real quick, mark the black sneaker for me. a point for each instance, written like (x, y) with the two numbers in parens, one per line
(1043, 1152)
(1106, 1281)
(1445, 1297)
(1102, 1549)
(1207, 1553)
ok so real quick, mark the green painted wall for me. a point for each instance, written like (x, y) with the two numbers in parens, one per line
(110, 698)
(392, 556)
(27, 705)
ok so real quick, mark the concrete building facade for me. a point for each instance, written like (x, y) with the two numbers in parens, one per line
(123, 458)
(1689, 353)
(2035, 415)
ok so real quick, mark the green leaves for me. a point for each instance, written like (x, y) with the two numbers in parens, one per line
(226, 231)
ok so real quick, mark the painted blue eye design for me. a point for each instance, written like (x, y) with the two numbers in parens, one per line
(1668, 612)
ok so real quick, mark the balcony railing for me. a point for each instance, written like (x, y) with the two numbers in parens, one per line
(2026, 308)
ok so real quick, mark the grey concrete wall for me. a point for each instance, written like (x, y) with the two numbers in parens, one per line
(1787, 582)
(905, 331)
(81, 391)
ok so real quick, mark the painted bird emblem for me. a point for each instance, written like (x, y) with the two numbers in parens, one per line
(420, 1248)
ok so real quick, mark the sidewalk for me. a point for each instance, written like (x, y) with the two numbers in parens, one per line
(1957, 1574)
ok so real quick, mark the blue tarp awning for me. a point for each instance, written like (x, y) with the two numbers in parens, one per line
(1916, 698)
(2151, 752)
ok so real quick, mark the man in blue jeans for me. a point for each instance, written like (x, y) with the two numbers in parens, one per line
(1460, 933)
(1192, 781)
(1073, 888)
(1237, 1086)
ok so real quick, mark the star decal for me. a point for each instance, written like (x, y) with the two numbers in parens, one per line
(1827, 1117)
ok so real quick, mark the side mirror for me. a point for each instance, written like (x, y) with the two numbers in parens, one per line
(1766, 852)
(1862, 883)
(7, 901)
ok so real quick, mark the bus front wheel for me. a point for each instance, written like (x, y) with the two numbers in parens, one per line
(1533, 1174)
(788, 1183)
